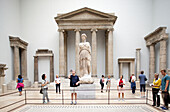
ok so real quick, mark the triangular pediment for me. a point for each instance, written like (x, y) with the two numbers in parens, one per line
(85, 14)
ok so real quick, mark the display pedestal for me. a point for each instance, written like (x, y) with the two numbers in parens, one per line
(86, 91)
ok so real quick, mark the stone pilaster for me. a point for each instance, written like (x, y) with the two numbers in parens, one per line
(61, 53)
(24, 63)
(138, 62)
(152, 62)
(77, 41)
(163, 55)
(94, 52)
(51, 69)
(35, 68)
(110, 51)
(16, 62)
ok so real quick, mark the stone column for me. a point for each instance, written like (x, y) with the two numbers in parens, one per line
(65, 54)
(110, 51)
(120, 69)
(152, 62)
(51, 69)
(35, 68)
(16, 62)
(163, 55)
(138, 62)
(94, 53)
(24, 63)
(61, 53)
(77, 41)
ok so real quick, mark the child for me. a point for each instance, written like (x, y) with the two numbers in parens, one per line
(133, 86)
(102, 83)
(57, 82)
(108, 83)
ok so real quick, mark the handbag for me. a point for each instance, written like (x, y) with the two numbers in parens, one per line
(41, 91)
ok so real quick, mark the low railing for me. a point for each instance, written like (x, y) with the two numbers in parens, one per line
(32, 96)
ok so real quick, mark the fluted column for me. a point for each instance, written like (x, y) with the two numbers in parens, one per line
(138, 62)
(163, 55)
(94, 52)
(77, 41)
(16, 62)
(110, 51)
(35, 68)
(61, 53)
(151, 62)
(24, 63)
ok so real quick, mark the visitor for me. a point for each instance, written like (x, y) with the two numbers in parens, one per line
(132, 77)
(133, 86)
(74, 83)
(102, 83)
(120, 84)
(57, 82)
(20, 84)
(45, 88)
(155, 90)
(142, 79)
(165, 89)
(108, 83)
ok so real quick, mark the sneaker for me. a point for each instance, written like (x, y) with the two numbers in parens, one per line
(75, 103)
(158, 105)
(71, 102)
(153, 105)
(44, 102)
(164, 108)
(123, 99)
(118, 99)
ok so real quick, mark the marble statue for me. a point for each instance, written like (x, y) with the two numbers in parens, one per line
(85, 61)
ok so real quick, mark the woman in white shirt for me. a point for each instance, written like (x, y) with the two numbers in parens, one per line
(120, 84)
(45, 88)
(57, 82)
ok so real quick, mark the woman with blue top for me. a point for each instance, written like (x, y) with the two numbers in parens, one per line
(20, 84)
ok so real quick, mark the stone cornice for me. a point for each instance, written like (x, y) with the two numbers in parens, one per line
(16, 41)
(44, 52)
(104, 16)
(156, 36)
(126, 60)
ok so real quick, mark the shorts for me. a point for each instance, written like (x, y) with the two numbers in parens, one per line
(73, 89)
(142, 88)
(120, 90)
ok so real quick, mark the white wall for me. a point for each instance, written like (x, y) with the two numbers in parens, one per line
(33, 21)
(9, 25)
(161, 17)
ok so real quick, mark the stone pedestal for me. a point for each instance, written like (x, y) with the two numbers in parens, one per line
(11, 85)
(4, 88)
(84, 93)
(27, 83)
(35, 84)
(2, 79)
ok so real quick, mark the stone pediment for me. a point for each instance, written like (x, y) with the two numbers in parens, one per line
(86, 14)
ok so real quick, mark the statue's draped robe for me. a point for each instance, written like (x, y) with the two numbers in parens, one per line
(84, 58)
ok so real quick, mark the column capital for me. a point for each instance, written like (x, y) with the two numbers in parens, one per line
(77, 30)
(94, 29)
(138, 49)
(110, 29)
(61, 30)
